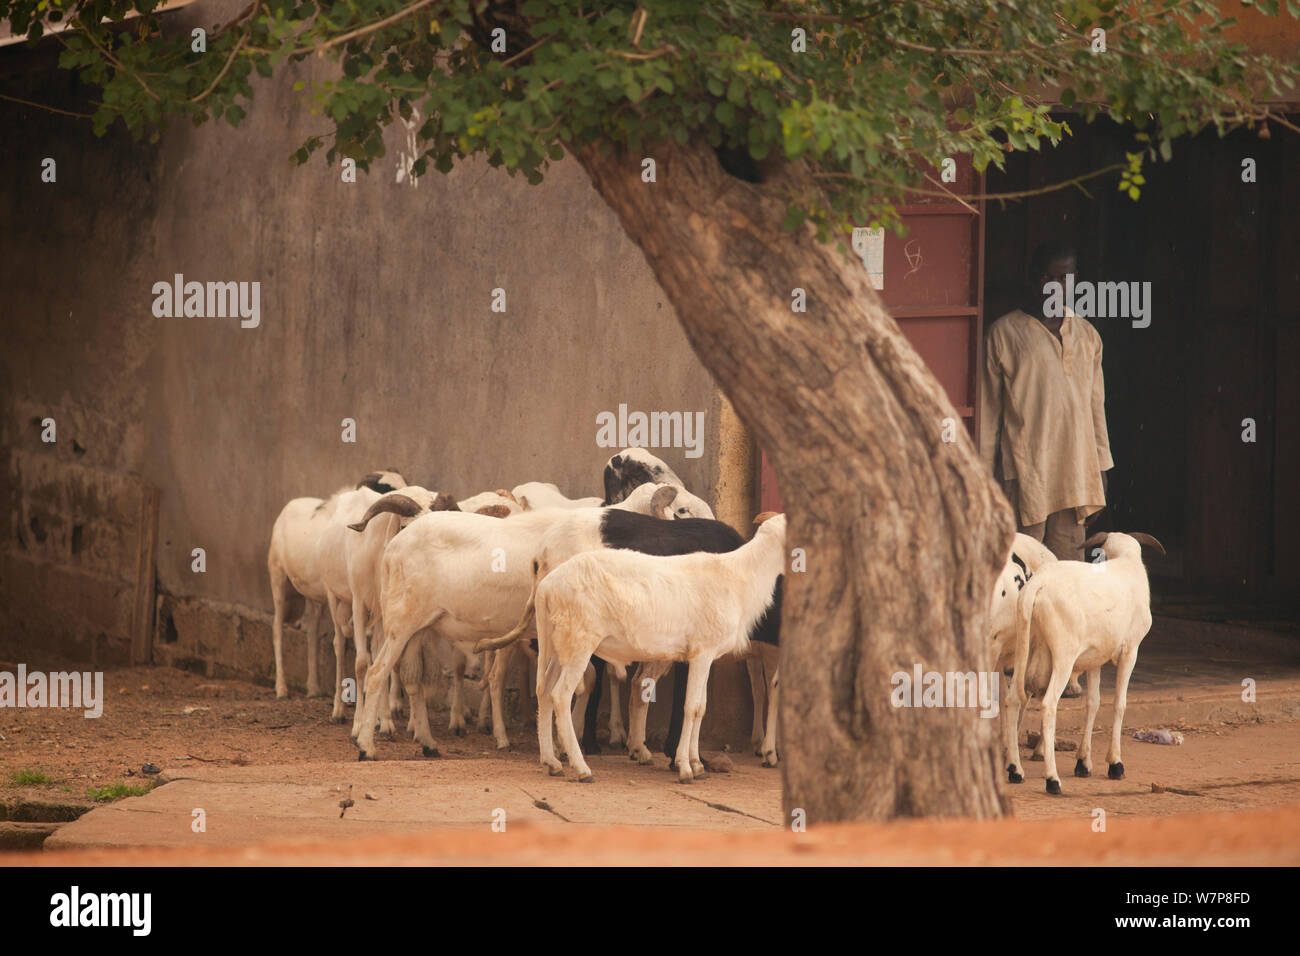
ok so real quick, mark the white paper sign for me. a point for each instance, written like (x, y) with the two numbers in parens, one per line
(869, 244)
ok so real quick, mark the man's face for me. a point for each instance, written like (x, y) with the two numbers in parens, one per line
(1055, 271)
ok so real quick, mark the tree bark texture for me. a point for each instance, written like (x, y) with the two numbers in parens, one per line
(903, 533)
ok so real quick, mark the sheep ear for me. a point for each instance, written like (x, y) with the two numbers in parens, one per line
(494, 511)
(1141, 537)
(661, 499)
(507, 495)
(760, 518)
(444, 502)
(400, 505)
(370, 481)
(1096, 539)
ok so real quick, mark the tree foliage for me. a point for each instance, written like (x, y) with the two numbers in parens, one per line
(866, 95)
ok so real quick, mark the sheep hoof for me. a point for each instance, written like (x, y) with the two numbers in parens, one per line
(281, 693)
(458, 731)
(586, 778)
(1080, 770)
(1071, 691)
(364, 756)
(681, 779)
(504, 746)
(1036, 756)
(1014, 775)
(555, 771)
(1116, 771)
(340, 719)
(769, 759)
(1054, 787)
(430, 751)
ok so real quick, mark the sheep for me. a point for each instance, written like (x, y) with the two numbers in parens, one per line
(419, 663)
(1026, 557)
(638, 607)
(501, 503)
(630, 469)
(616, 527)
(682, 505)
(293, 559)
(464, 577)
(1075, 616)
(536, 495)
(362, 552)
(761, 663)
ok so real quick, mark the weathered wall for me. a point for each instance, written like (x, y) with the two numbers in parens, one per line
(375, 302)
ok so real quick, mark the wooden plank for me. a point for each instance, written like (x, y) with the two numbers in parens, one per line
(146, 563)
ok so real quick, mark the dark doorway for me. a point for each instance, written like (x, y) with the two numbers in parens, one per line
(1222, 345)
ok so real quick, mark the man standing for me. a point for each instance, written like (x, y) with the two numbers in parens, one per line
(1043, 415)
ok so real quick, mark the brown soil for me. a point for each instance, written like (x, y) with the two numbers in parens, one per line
(1219, 768)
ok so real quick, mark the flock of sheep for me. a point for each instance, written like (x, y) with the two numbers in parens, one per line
(643, 577)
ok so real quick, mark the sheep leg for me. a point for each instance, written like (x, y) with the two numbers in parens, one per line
(340, 652)
(588, 731)
(313, 648)
(527, 663)
(1083, 766)
(617, 733)
(280, 596)
(380, 673)
(1011, 711)
(589, 679)
(676, 715)
(757, 691)
(562, 699)
(362, 662)
(1123, 671)
(697, 681)
(545, 714)
(1052, 700)
(769, 735)
(697, 765)
(486, 701)
(638, 707)
(457, 722)
(496, 695)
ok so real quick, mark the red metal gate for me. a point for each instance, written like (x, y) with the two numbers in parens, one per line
(934, 288)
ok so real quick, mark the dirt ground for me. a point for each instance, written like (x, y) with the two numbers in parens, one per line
(192, 726)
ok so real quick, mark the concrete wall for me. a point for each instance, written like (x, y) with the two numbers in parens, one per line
(375, 302)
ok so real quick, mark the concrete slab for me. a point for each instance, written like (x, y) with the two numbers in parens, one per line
(254, 804)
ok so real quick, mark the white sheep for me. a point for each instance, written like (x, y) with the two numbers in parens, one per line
(633, 467)
(635, 607)
(591, 529)
(536, 495)
(498, 504)
(464, 577)
(363, 551)
(1073, 617)
(294, 559)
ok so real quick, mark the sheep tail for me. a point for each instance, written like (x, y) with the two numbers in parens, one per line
(496, 643)
(1024, 618)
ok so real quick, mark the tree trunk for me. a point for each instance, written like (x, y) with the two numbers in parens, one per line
(904, 534)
